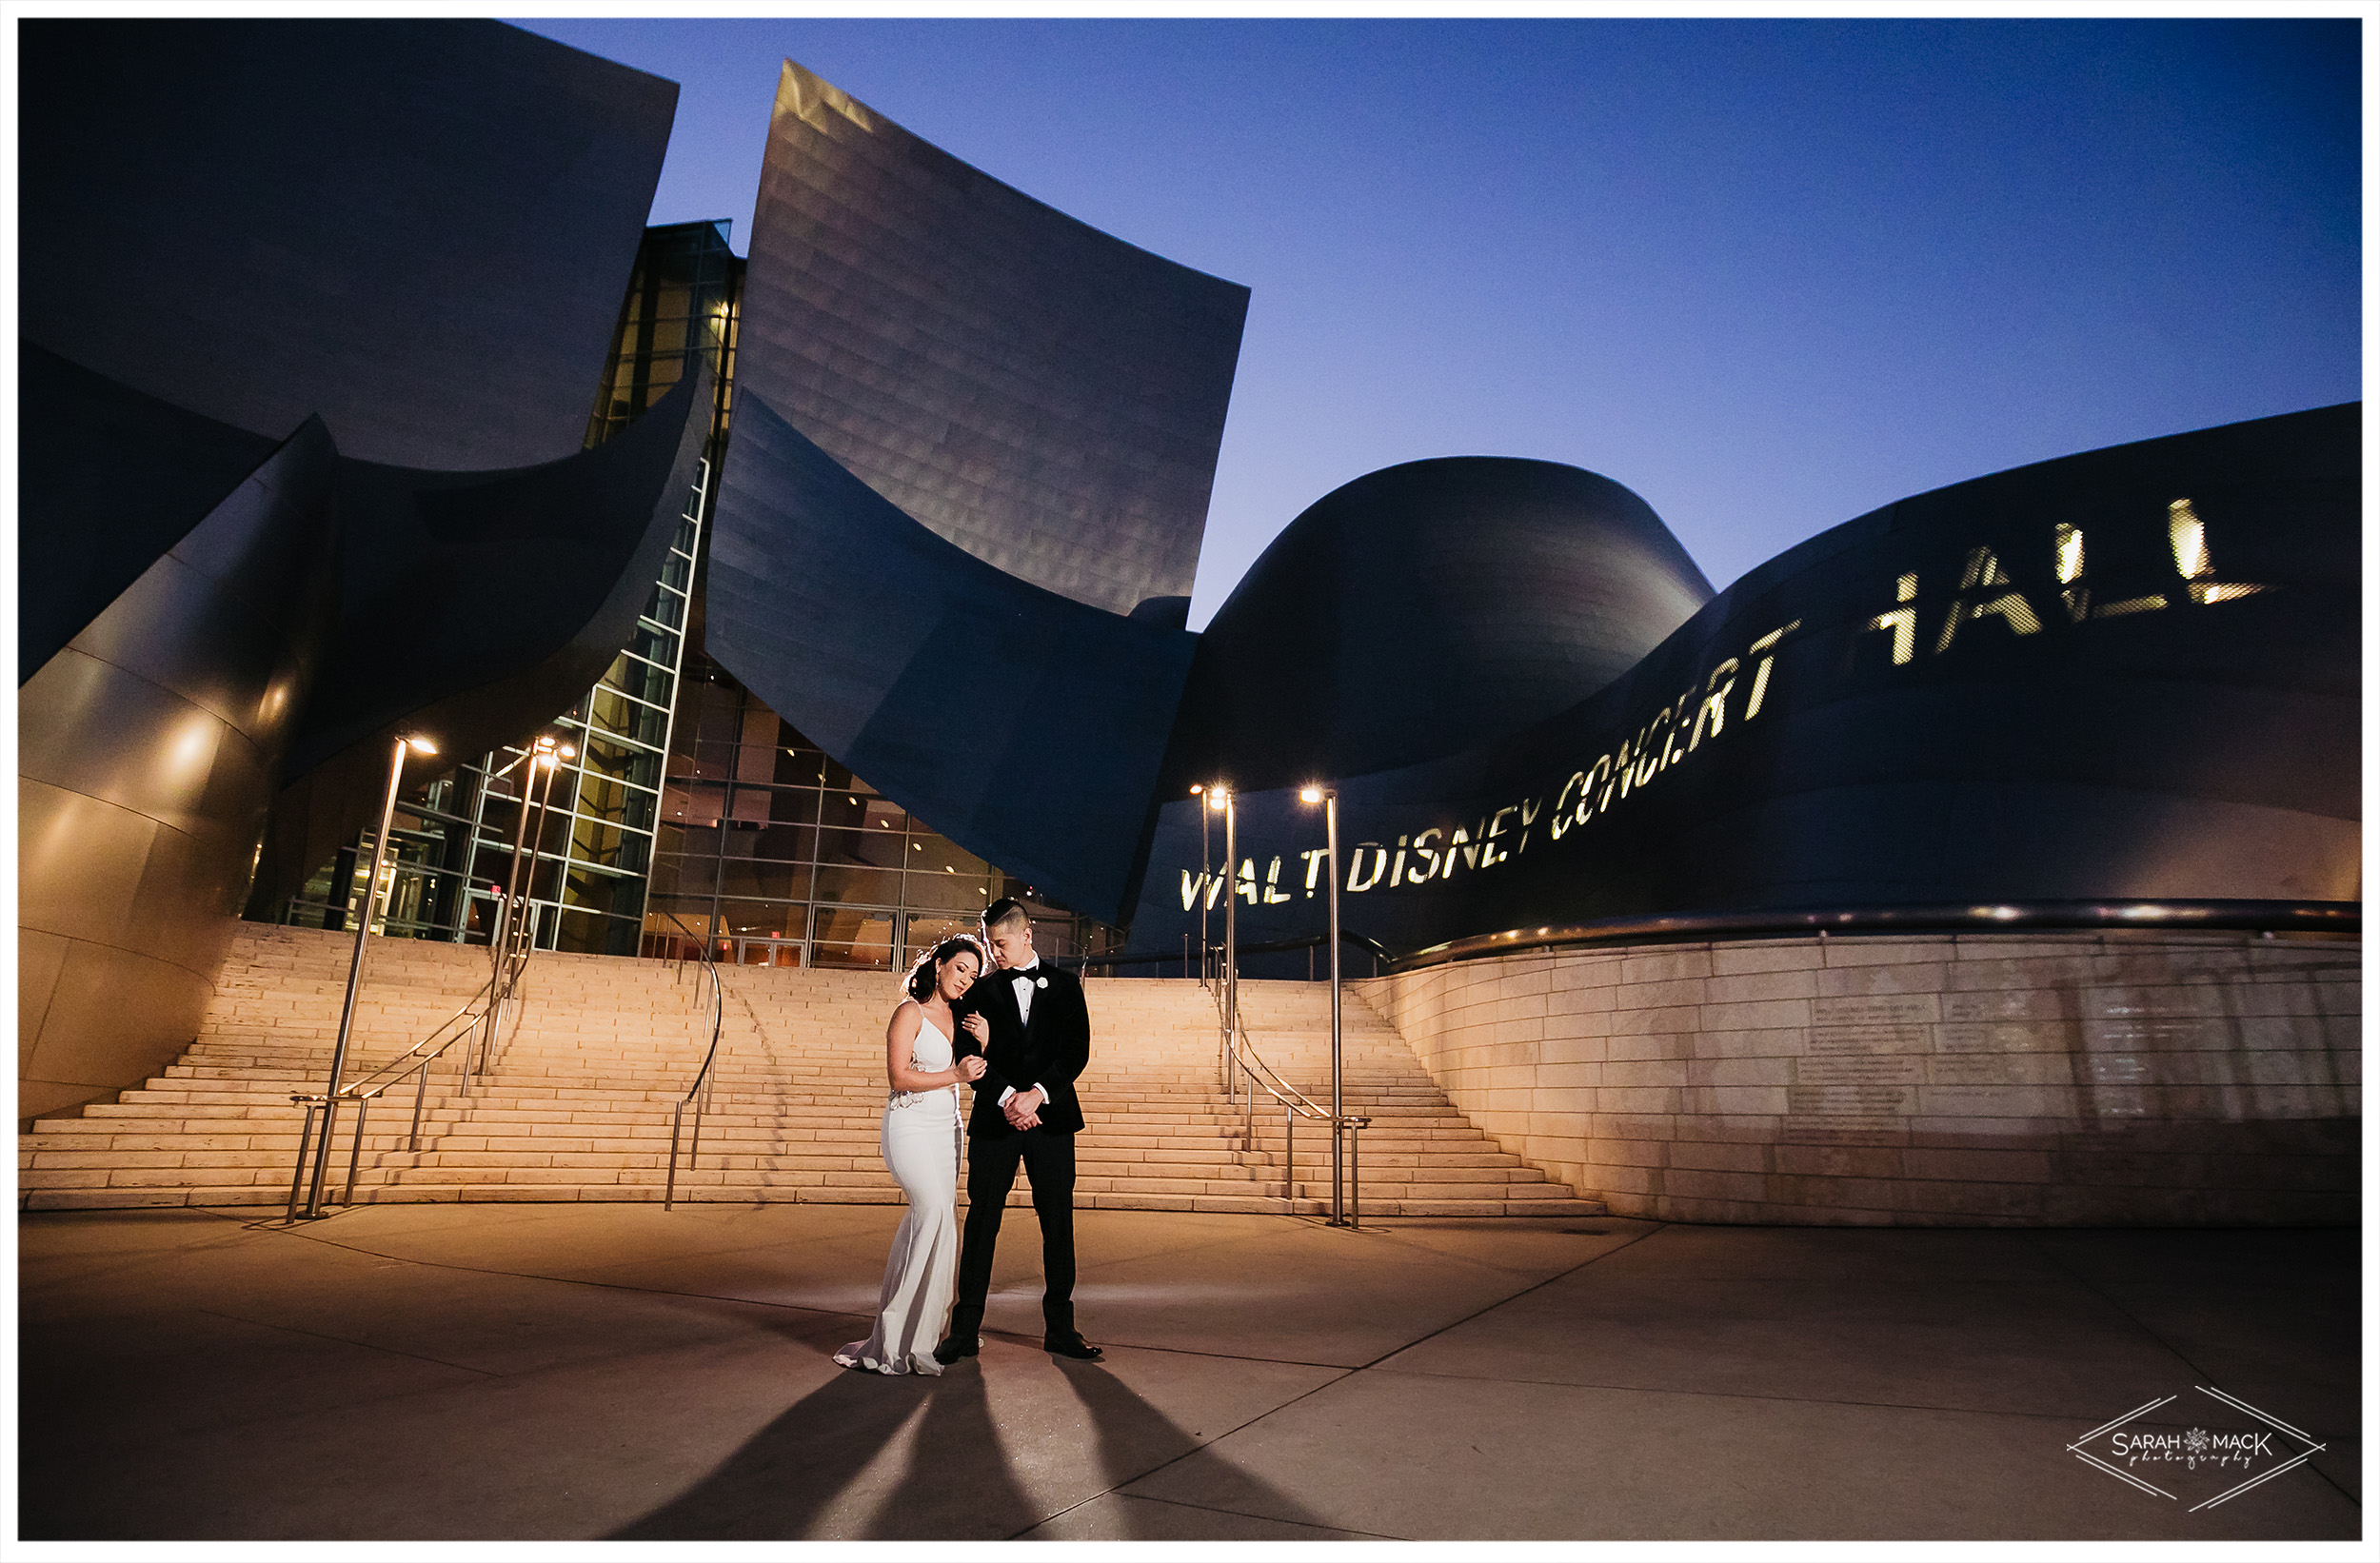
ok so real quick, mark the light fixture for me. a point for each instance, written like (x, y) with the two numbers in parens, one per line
(1309, 795)
(1195, 789)
(420, 745)
(1217, 797)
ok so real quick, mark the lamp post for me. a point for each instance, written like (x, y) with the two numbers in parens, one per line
(1206, 893)
(547, 753)
(1328, 798)
(1218, 798)
(355, 967)
(537, 831)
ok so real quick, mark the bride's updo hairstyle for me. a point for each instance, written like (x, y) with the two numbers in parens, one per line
(919, 984)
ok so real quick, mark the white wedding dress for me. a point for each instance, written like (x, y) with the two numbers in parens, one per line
(921, 1142)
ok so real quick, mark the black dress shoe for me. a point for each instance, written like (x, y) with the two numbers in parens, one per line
(955, 1347)
(1071, 1344)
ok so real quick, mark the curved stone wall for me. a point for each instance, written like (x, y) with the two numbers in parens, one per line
(1978, 1079)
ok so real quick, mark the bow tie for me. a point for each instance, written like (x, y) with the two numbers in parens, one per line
(1023, 973)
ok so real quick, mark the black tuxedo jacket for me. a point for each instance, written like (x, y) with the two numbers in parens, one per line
(1049, 1052)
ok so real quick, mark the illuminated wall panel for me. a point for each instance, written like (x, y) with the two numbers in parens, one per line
(1047, 397)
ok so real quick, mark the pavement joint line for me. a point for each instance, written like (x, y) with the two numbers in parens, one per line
(569, 1281)
(1743, 1395)
(1210, 1509)
(2038, 1240)
(1489, 1308)
(346, 1340)
(1117, 1485)
(1346, 1374)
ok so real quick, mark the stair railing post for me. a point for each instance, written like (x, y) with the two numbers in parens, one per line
(1354, 1174)
(355, 1155)
(355, 969)
(669, 1191)
(297, 1174)
(1289, 1151)
(421, 1090)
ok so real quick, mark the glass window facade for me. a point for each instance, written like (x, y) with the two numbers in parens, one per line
(775, 854)
(689, 814)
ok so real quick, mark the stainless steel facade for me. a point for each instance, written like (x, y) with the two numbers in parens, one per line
(1422, 609)
(262, 221)
(1024, 725)
(1045, 396)
(407, 243)
(2126, 676)
(147, 751)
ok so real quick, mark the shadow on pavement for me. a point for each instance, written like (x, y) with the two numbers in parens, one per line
(1135, 1439)
(807, 1473)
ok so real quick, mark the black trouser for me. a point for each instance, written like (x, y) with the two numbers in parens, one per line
(991, 1173)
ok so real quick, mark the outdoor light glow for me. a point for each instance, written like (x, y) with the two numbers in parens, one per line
(422, 746)
(1310, 795)
(1195, 789)
(1217, 798)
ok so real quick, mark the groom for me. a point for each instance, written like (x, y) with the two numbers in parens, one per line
(1025, 1111)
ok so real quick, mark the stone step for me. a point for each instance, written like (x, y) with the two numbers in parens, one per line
(585, 1084)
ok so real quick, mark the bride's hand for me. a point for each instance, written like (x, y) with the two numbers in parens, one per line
(978, 1028)
(971, 1068)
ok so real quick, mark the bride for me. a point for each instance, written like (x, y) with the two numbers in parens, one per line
(921, 1142)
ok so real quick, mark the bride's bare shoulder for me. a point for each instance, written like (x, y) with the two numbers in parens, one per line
(906, 1017)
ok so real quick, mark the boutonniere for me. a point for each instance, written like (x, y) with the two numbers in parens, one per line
(1041, 981)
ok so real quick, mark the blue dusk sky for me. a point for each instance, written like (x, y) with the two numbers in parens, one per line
(1770, 275)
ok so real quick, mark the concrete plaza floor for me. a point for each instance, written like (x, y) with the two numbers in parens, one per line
(577, 1370)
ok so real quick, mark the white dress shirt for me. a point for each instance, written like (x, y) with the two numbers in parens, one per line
(1022, 983)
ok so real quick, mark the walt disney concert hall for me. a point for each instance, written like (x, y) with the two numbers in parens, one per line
(1992, 857)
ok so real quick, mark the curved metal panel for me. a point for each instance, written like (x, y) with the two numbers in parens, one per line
(1024, 725)
(1047, 397)
(418, 229)
(108, 481)
(146, 755)
(1421, 610)
(513, 591)
(2130, 675)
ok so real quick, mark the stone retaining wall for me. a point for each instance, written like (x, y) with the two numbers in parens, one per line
(2002, 1079)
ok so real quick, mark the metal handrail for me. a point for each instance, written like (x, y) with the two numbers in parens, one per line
(498, 990)
(1243, 1060)
(697, 1094)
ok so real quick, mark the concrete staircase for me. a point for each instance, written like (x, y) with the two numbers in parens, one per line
(578, 1106)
